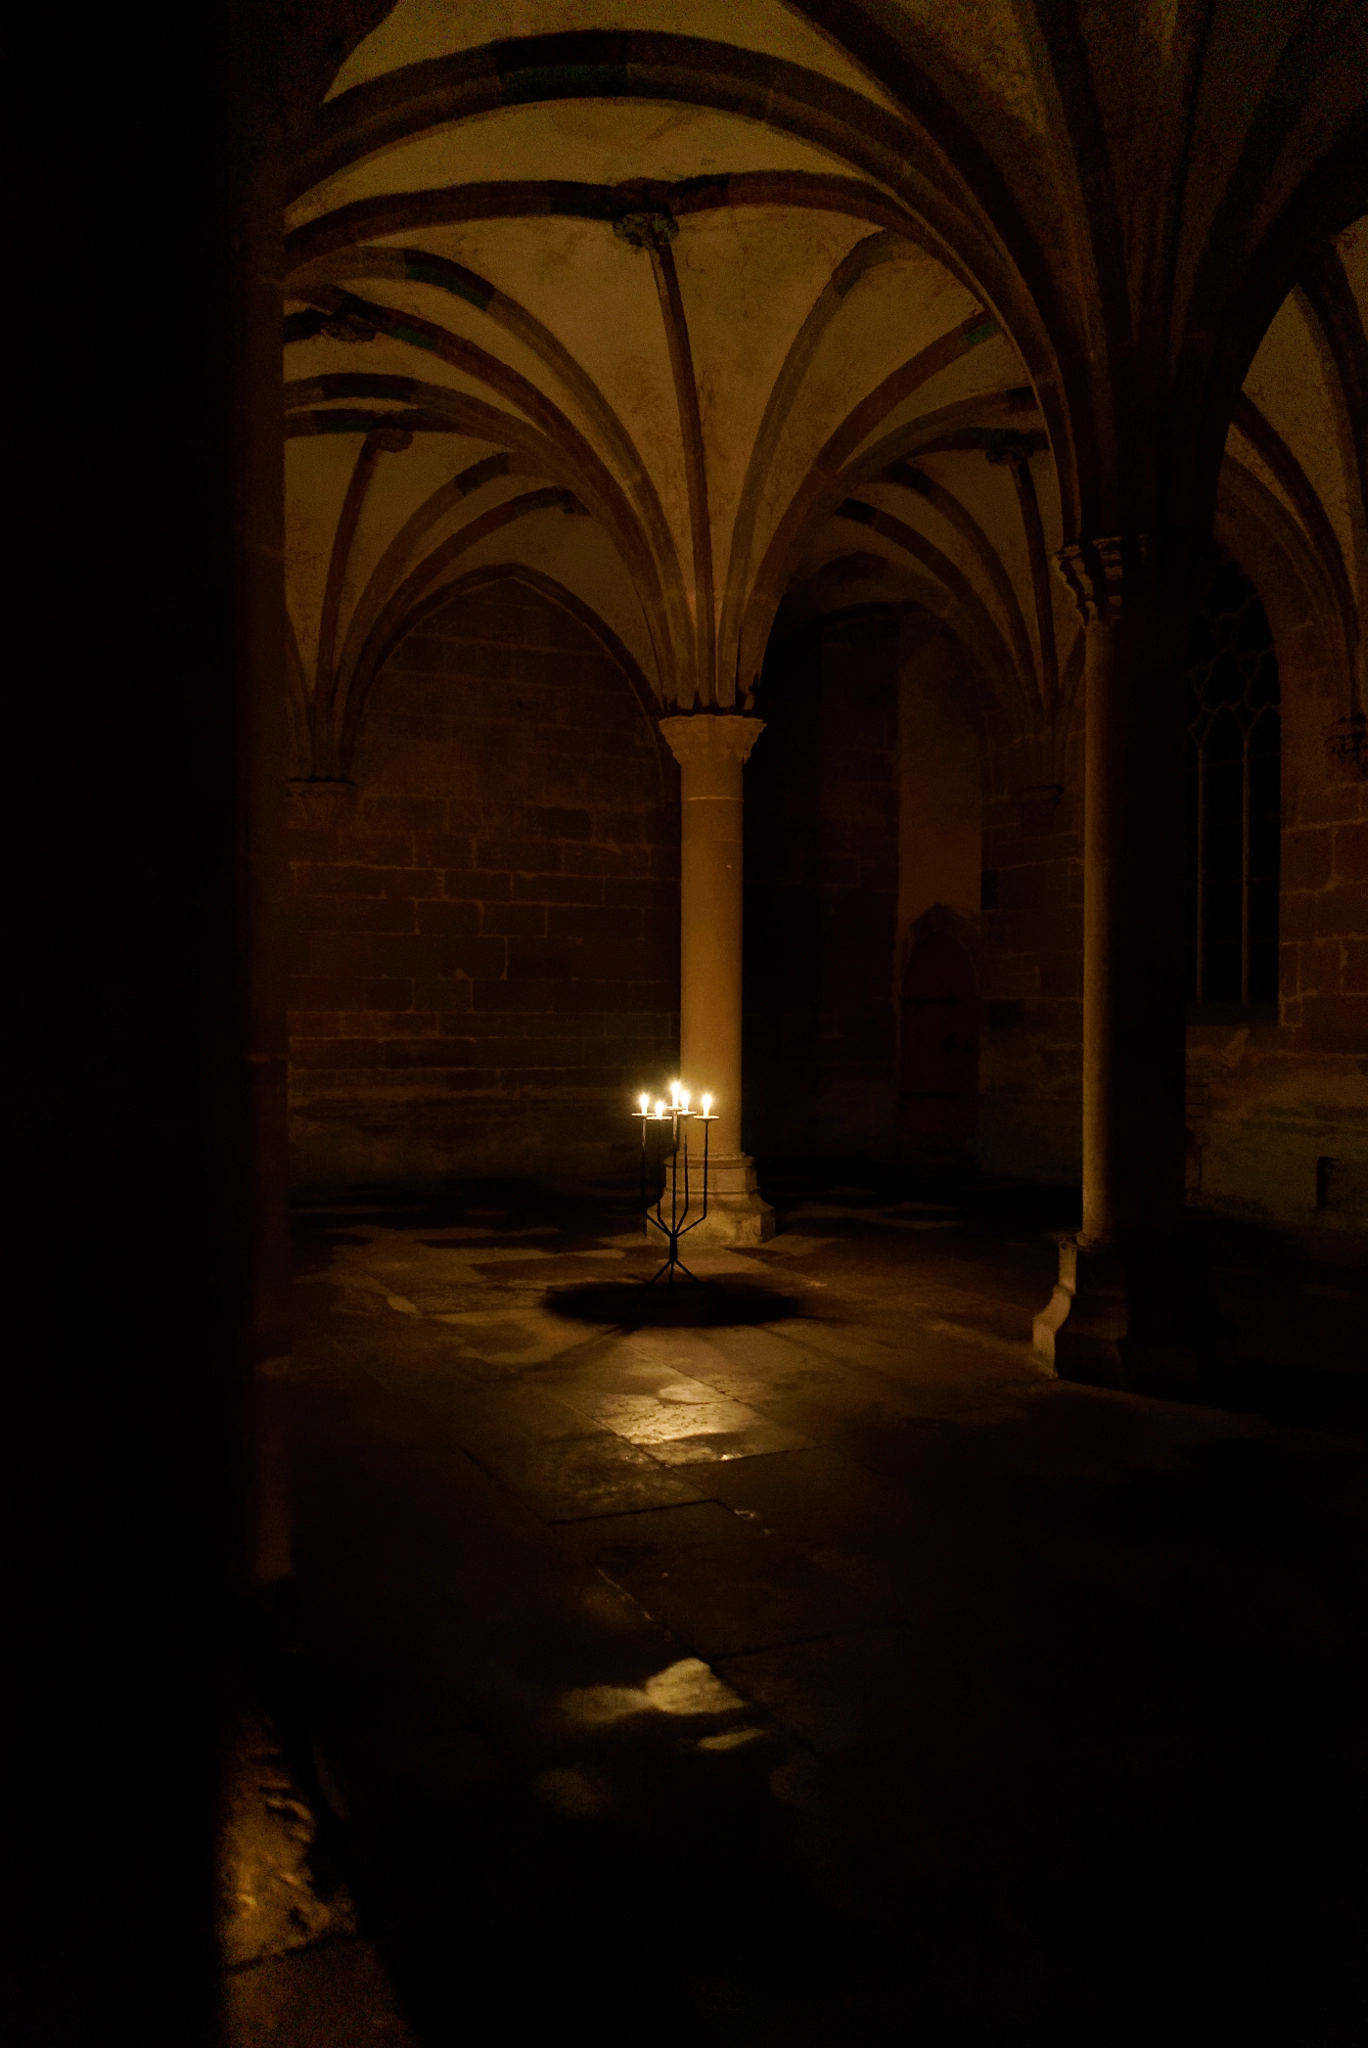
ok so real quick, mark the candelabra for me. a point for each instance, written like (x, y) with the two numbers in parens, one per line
(672, 1120)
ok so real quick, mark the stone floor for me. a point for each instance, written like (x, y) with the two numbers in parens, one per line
(791, 1660)
(298, 1973)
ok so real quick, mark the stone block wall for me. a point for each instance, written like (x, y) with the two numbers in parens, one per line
(1278, 1112)
(1323, 966)
(485, 929)
(485, 944)
(821, 896)
(1278, 1107)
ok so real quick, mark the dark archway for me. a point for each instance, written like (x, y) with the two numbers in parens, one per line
(938, 1098)
(821, 869)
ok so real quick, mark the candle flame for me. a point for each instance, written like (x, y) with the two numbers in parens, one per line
(674, 1095)
(683, 1098)
(707, 1105)
(645, 1102)
(660, 1109)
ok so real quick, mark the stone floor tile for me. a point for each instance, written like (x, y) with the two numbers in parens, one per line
(681, 1420)
(654, 1536)
(710, 1262)
(720, 1584)
(515, 1412)
(515, 1336)
(850, 1522)
(610, 1370)
(757, 1439)
(601, 1474)
(837, 1695)
(336, 1996)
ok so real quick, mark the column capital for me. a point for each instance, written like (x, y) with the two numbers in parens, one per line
(1012, 451)
(1106, 575)
(1095, 571)
(711, 740)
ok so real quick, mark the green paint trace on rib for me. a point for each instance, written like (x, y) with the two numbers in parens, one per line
(453, 281)
(412, 334)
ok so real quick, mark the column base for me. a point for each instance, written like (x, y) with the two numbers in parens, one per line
(1137, 1317)
(736, 1213)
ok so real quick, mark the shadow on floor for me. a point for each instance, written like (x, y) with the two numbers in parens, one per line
(687, 1305)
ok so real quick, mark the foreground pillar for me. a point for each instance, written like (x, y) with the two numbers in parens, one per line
(711, 749)
(1129, 1309)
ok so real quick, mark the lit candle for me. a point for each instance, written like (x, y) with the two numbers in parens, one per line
(707, 1105)
(684, 1099)
(660, 1109)
(645, 1102)
(674, 1095)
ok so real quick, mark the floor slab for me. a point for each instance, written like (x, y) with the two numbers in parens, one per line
(804, 1663)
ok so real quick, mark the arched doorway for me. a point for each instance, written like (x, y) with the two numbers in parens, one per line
(938, 1101)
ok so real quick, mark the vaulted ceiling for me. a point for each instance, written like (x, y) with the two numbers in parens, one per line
(694, 310)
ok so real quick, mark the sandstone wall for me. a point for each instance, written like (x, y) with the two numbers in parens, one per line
(486, 928)
(1278, 1111)
(1278, 1104)
(486, 924)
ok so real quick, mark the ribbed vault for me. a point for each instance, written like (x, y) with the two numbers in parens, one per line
(677, 305)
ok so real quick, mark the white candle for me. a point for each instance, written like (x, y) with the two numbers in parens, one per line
(707, 1105)
(645, 1102)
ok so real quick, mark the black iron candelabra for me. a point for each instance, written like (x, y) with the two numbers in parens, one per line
(671, 1120)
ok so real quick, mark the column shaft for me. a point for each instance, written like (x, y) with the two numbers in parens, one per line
(1129, 1307)
(711, 750)
(1133, 1016)
(710, 952)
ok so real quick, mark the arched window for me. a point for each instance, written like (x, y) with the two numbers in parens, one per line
(1234, 811)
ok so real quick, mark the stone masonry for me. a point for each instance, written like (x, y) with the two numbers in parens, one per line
(485, 944)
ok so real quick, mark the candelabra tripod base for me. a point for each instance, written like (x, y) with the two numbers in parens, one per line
(667, 1273)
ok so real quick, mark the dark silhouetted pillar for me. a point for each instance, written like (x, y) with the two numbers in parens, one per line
(1127, 1309)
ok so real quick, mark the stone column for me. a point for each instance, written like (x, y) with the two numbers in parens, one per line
(1128, 1308)
(711, 749)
